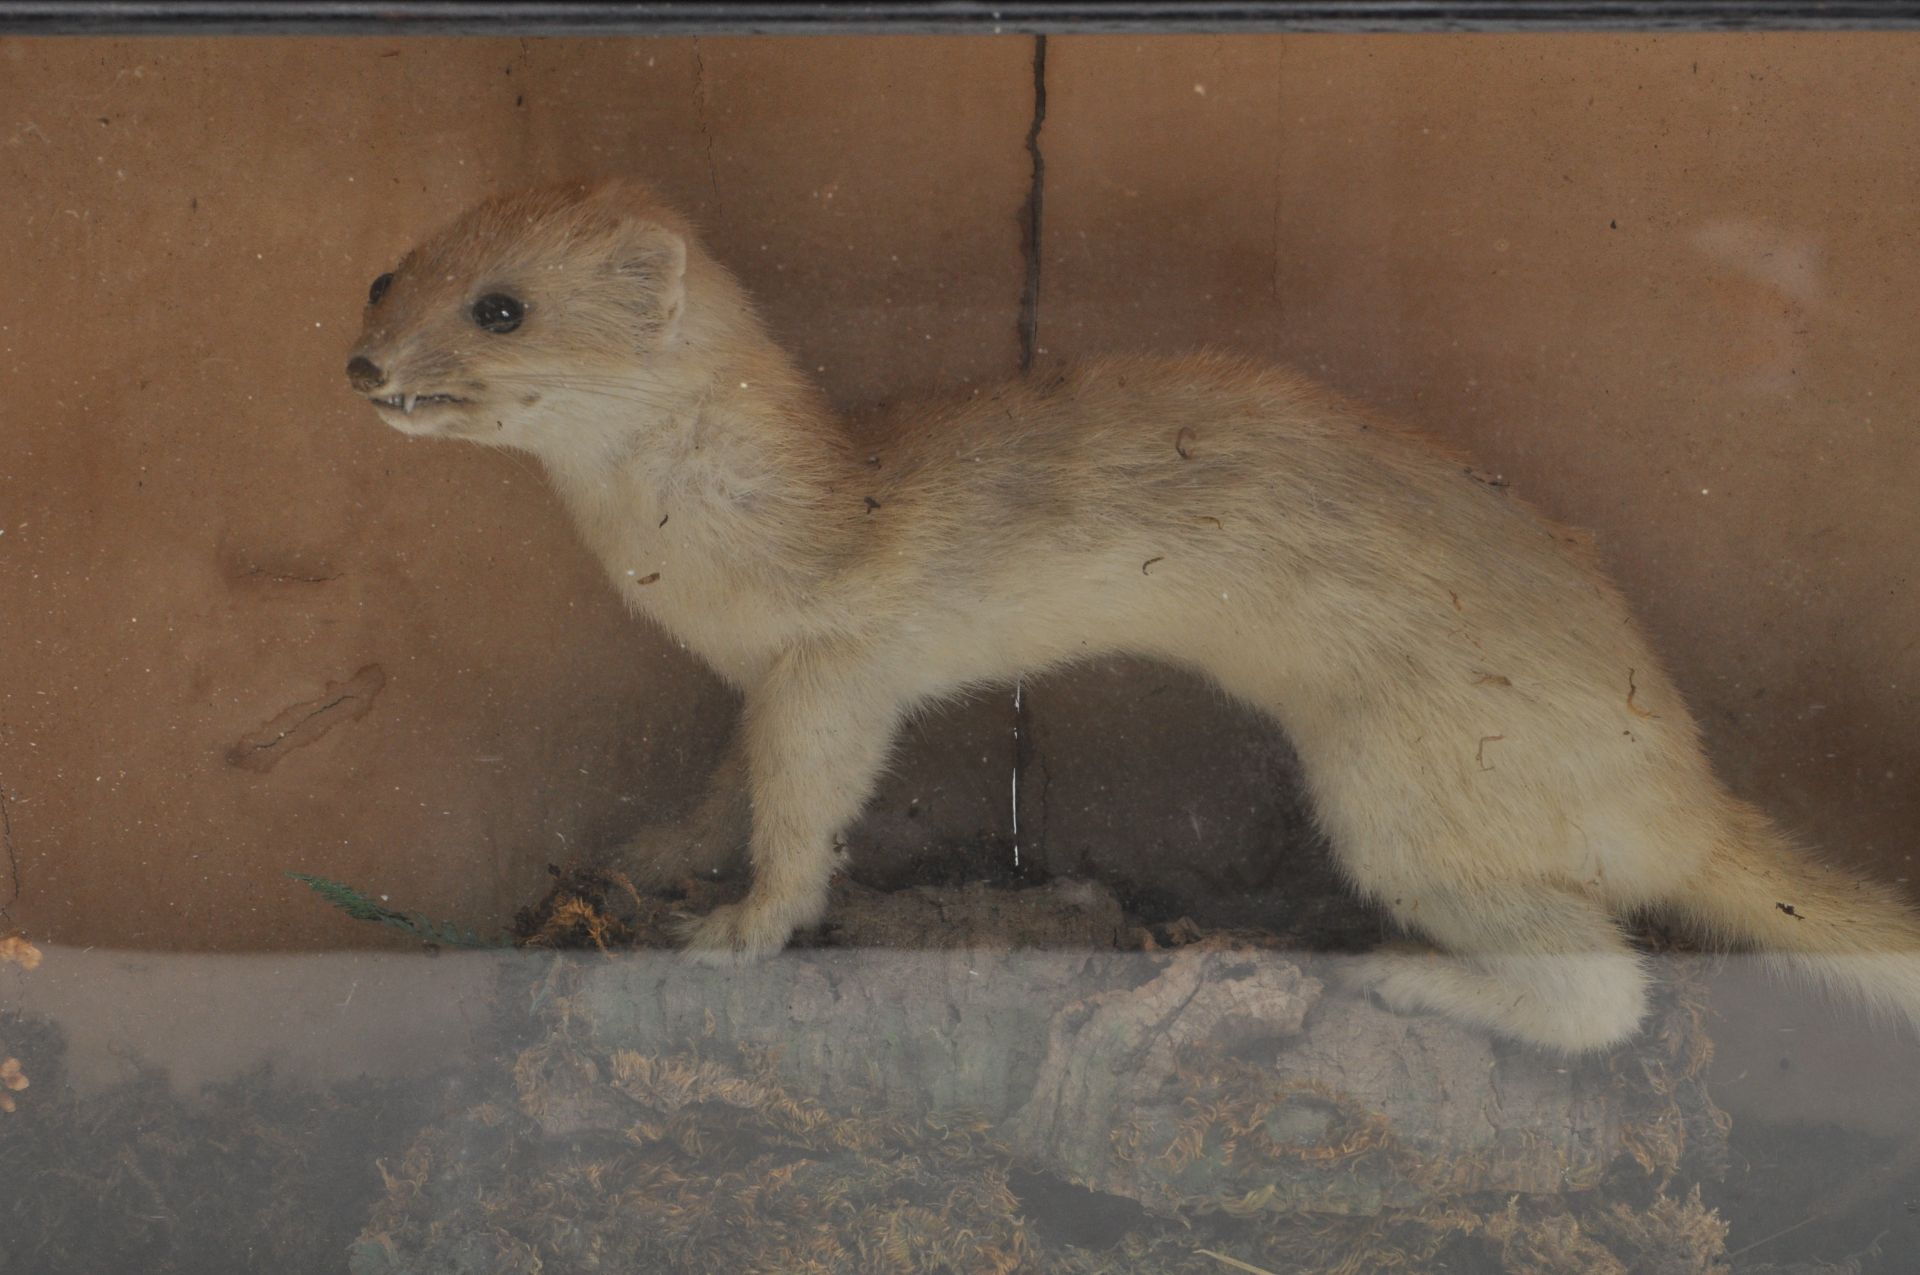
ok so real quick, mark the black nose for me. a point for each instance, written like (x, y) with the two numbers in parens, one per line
(364, 375)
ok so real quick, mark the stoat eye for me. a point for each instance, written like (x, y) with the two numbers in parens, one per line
(498, 312)
(379, 288)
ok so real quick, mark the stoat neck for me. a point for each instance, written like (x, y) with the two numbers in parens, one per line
(723, 433)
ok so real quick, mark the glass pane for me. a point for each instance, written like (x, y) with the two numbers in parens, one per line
(1241, 653)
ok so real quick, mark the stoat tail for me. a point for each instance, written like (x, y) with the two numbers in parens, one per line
(1855, 936)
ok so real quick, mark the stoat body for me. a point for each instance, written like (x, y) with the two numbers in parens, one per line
(1489, 742)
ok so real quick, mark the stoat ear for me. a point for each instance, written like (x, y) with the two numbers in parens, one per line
(650, 266)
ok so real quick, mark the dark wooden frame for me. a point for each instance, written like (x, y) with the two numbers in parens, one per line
(1031, 17)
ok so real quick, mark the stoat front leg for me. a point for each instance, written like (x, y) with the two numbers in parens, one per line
(816, 731)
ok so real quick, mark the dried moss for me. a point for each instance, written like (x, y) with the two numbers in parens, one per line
(599, 909)
(701, 1157)
(687, 1163)
(616, 1160)
(248, 1176)
(619, 1160)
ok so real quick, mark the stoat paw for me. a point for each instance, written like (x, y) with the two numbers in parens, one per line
(741, 933)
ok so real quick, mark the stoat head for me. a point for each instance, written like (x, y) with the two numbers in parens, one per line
(575, 293)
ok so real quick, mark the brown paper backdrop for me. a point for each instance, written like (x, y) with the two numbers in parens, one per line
(1664, 286)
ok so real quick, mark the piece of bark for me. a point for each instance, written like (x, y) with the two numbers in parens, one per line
(1217, 1075)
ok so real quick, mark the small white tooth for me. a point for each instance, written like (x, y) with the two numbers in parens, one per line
(408, 409)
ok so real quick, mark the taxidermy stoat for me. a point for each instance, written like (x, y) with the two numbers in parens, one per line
(1488, 741)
